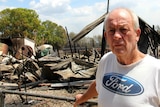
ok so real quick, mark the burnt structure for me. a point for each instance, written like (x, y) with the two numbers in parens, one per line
(149, 39)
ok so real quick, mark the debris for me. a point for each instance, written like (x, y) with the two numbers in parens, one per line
(68, 84)
(62, 65)
(84, 63)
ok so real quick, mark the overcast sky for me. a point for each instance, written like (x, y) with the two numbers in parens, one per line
(76, 14)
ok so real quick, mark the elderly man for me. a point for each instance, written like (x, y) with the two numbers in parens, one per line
(125, 77)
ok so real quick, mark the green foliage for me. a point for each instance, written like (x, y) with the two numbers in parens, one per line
(53, 34)
(20, 22)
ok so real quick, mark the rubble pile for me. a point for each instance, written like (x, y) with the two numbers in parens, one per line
(50, 70)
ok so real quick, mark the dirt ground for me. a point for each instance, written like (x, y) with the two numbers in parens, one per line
(12, 100)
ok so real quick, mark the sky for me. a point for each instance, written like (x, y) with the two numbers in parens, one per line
(76, 14)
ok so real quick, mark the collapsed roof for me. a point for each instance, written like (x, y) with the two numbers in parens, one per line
(149, 37)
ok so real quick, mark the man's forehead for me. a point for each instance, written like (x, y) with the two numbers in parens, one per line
(119, 21)
(119, 14)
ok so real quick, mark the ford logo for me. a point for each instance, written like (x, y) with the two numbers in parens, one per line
(121, 84)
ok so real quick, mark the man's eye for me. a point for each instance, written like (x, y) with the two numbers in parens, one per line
(111, 32)
(123, 30)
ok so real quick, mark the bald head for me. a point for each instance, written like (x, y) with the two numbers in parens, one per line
(123, 13)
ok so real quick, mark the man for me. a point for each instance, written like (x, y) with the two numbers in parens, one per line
(125, 77)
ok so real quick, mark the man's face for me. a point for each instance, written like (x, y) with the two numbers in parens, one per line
(120, 33)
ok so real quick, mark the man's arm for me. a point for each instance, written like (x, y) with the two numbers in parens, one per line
(90, 93)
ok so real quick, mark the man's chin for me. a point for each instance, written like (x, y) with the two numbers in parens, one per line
(119, 52)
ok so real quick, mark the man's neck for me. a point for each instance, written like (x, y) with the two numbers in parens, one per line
(129, 59)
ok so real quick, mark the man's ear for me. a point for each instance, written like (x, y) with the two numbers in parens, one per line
(105, 35)
(138, 31)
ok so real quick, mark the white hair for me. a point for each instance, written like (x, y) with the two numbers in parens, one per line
(133, 15)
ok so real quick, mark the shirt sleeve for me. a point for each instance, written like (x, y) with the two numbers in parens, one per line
(100, 72)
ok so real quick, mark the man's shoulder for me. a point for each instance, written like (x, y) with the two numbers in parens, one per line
(108, 56)
(149, 57)
(152, 60)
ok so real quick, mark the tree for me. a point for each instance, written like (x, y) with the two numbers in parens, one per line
(53, 34)
(72, 34)
(98, 40)
(18, 22)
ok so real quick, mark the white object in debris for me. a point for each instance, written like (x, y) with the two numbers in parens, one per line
(8, 59)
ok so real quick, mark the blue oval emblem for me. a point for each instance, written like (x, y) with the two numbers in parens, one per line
(122, 84)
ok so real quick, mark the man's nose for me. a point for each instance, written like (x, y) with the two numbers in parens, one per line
(117, 35)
